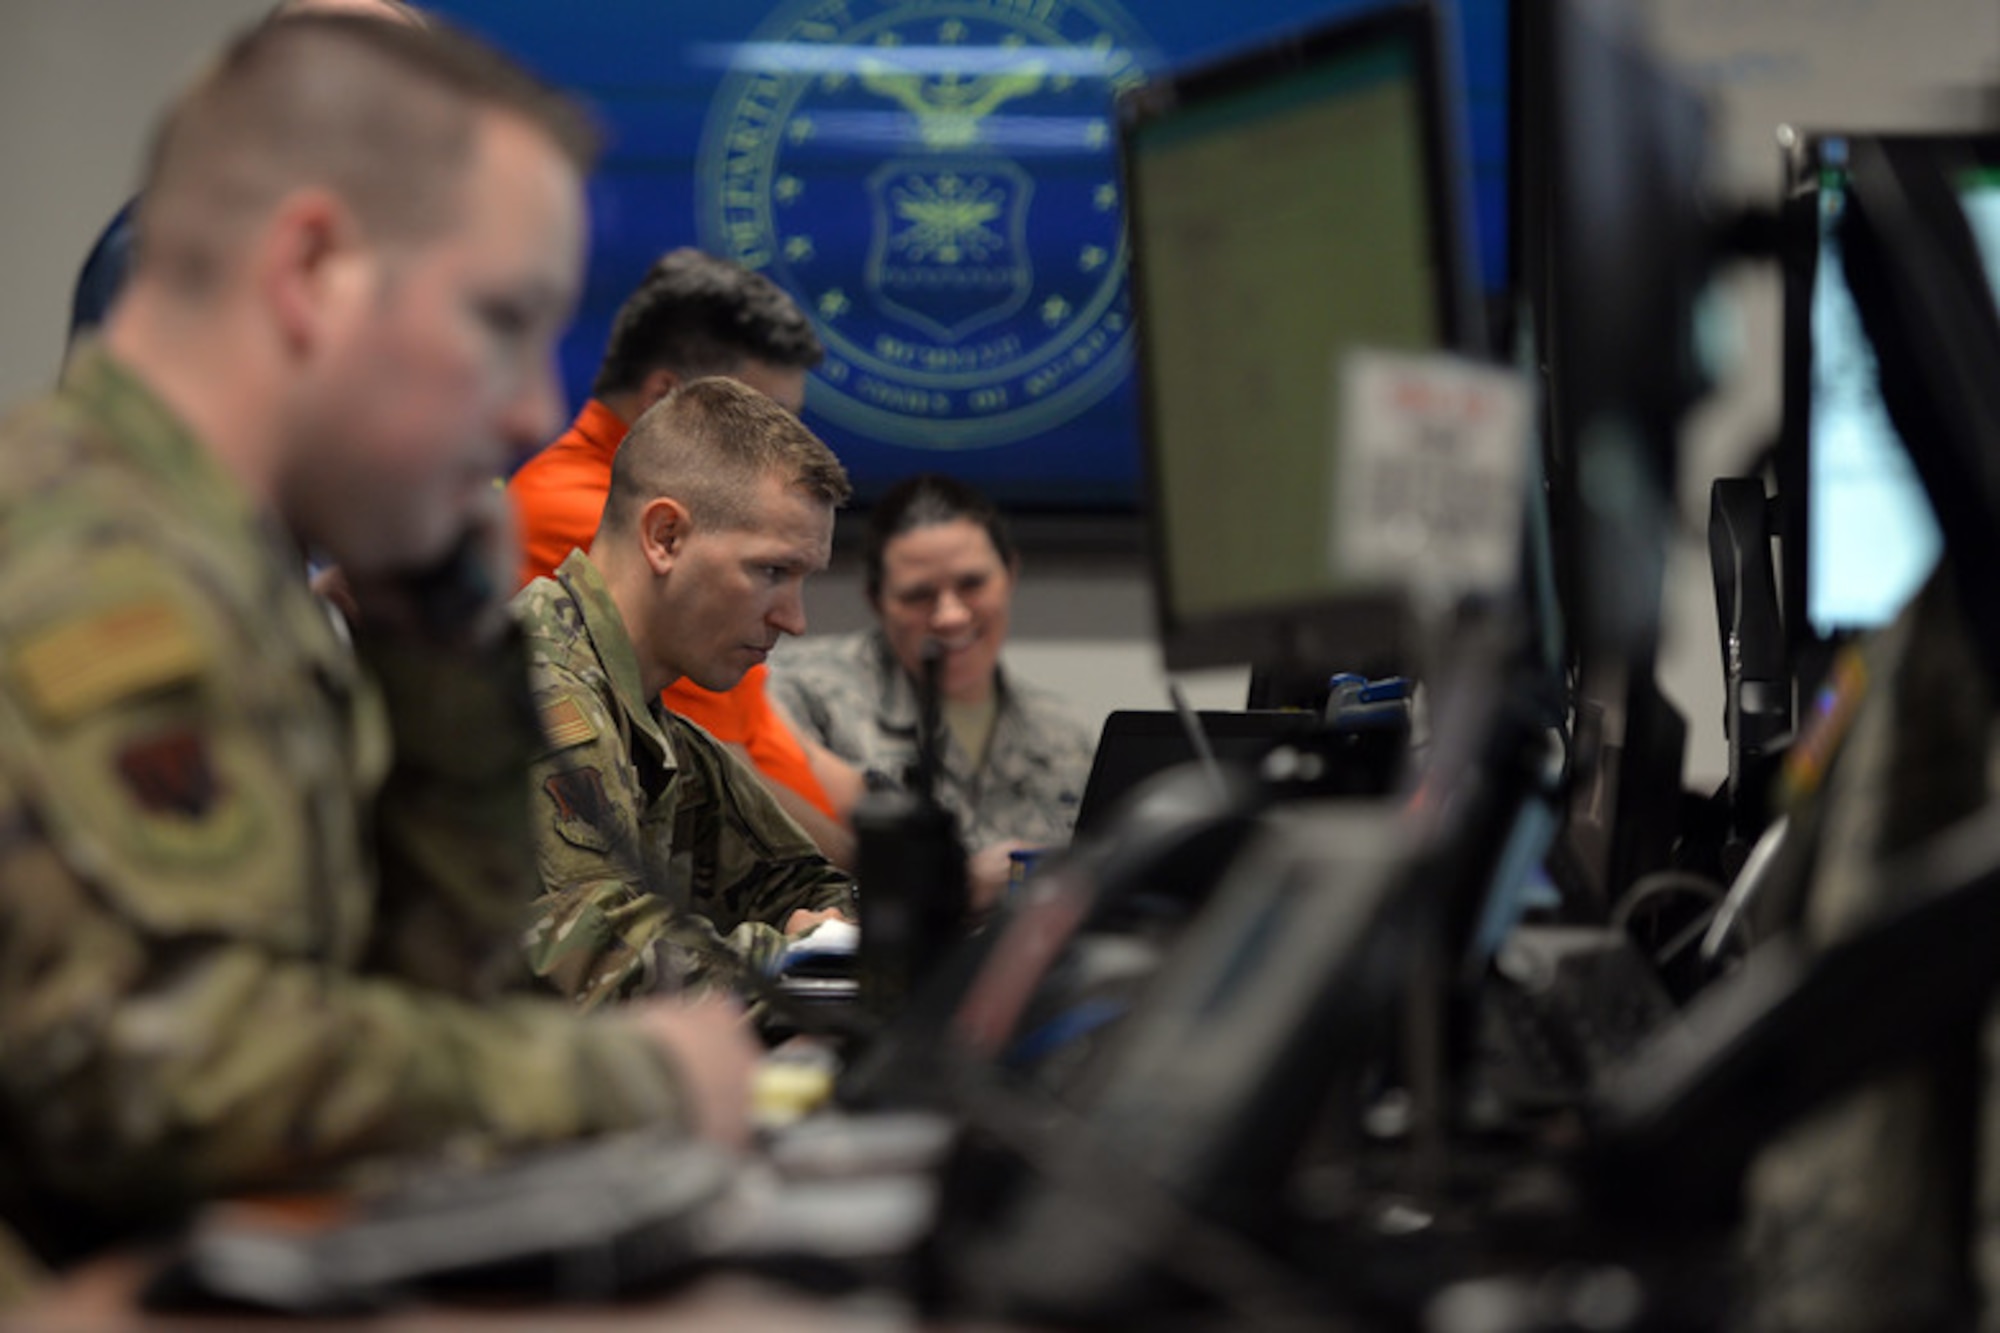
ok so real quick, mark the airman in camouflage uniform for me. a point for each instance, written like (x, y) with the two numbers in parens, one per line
(654, 840)
(261, 894)
(849, 692)
(941, 565)
(663, 858)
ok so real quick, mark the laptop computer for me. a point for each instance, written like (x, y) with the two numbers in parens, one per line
(1136, 743)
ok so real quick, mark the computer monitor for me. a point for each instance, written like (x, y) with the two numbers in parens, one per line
(1616, 243)
(1612, 219)
(1137, 744)
(1285, 206)
(1860, 536)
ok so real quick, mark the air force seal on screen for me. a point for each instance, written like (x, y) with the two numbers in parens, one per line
(936, 181)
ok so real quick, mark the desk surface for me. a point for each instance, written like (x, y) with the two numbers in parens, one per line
(101, 1297)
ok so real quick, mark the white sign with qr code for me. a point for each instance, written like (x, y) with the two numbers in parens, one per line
(1428, 480)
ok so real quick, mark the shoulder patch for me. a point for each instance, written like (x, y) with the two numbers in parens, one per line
(564, 724)
(579, 796)
(92, 660)
(171, 774)
(585, 814)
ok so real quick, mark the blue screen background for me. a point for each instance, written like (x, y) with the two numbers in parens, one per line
(1028, 392)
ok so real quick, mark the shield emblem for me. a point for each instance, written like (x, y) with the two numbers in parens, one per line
(949, 253)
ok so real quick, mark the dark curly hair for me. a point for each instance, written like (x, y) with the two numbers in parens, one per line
(695, 314)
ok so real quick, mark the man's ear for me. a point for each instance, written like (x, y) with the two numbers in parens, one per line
(664, 528)
(308, 266)
(659, 382)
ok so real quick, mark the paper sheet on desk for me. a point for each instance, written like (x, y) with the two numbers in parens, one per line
(829, 940)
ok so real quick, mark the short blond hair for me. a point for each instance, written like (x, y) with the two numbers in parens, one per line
(382, 114)
(395, 11)
(707, 444)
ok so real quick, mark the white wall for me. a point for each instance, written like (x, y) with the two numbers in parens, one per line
(79, 80)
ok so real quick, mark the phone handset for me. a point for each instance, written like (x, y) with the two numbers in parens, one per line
(450, 595)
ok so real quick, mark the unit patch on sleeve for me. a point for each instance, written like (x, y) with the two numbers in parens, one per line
(584, 811)
(171, 774)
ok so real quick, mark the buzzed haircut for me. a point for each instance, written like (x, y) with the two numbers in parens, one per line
(395, 10)
(384, 115)
(708, 444)
(696, 314)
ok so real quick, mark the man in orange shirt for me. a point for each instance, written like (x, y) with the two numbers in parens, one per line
(692, 315)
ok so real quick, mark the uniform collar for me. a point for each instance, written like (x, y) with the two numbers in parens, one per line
(896, 707)
(606, 627)
(142, 427)
(131, 419)
(600, 428)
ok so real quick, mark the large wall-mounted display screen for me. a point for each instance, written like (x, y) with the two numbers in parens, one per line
(936, 181)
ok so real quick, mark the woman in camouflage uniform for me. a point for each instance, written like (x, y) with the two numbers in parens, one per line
(941, 568)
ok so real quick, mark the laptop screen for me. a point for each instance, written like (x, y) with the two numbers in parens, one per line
(1136, 744)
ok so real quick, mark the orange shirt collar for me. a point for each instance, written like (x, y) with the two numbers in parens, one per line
(600, 428)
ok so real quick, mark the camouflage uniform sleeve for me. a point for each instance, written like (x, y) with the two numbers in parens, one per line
(584, 804)
(602, 930)
(179, 997)
(750, 863)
